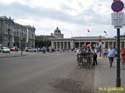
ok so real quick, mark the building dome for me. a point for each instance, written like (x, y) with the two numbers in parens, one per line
(57, 30)
(57, 33)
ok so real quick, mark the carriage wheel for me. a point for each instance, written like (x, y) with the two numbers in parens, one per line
(89, 62)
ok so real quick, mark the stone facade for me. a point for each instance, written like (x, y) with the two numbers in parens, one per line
(14, 34)
(77, 42)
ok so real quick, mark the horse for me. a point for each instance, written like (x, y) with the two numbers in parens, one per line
(84, 58)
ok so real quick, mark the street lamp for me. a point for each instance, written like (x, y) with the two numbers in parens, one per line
(100, 45)
(1, 35)
(21, 47)
(9, 33)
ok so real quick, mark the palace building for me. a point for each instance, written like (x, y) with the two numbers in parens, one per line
(14, 34)
(77, 42)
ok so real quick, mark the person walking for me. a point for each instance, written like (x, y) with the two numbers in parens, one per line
(111, 55)
(105, 50)
(122, 56)
(94, 56)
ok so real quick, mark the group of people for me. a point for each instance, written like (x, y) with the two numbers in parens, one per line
(87, 51)
(111, 53)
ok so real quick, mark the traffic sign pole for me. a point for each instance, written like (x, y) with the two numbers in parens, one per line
(118, 6)
(118, 78)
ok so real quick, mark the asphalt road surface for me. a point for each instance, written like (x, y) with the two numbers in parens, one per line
(44, 73)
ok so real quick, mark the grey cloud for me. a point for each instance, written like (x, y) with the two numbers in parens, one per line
(22, 11)
(96, 18)
(17, 10)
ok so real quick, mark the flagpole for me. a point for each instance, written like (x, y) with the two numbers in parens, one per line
(27, 38)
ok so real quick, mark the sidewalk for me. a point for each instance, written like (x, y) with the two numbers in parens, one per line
(105, 77)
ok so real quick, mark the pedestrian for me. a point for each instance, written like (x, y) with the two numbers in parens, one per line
(94, 56)
(44, 50)
(105, 51)
(122, 56)
(78, 51)
(111, 55)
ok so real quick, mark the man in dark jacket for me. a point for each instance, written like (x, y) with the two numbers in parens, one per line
(94, 57)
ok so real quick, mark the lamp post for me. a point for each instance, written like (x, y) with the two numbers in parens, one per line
(9, 33)
(1, 35)
(21, 47)
(100, 45)
(27, 37)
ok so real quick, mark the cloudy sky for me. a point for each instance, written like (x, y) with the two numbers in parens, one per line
(73, 17)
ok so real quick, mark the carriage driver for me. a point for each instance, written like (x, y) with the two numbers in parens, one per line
(88, 52)
(92, 51)
(81, 51)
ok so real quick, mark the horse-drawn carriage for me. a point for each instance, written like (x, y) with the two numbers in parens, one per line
(85, 57)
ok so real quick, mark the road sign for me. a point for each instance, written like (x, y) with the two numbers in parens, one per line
(117, 6)
(118, 19)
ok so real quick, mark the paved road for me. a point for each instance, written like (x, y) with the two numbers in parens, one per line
(49, 73)
(105, 77)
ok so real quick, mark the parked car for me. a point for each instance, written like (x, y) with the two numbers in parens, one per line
(14, 49)
(5, 50)
(31, 50)
(42, 50)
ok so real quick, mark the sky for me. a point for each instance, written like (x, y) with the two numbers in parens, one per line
(73, 17)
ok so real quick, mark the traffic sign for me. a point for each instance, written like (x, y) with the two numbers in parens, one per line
(117, 6)
(118, 19)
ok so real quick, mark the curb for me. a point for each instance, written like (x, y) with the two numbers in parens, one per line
(12, 56)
